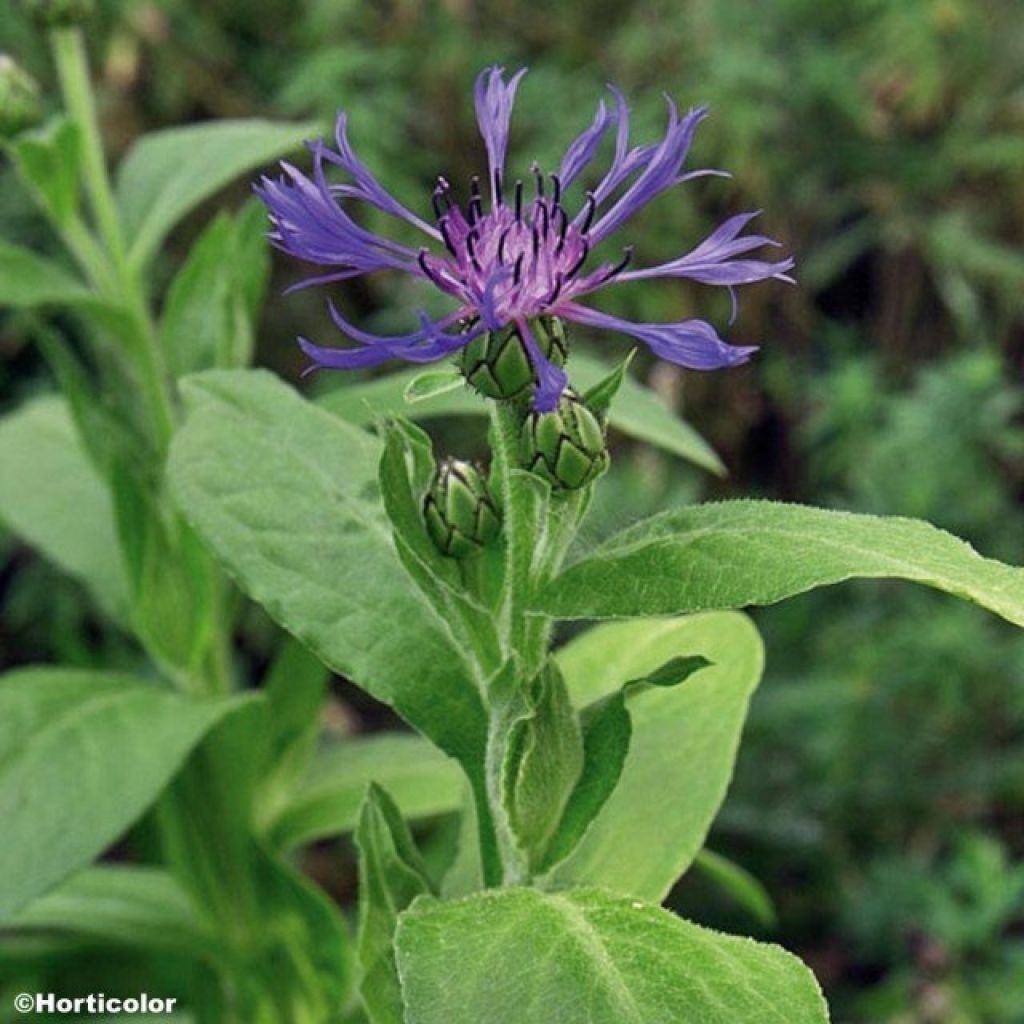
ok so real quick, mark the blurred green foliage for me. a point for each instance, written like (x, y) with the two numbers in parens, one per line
(880, 794)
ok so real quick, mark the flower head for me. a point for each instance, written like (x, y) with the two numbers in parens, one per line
(518, 250)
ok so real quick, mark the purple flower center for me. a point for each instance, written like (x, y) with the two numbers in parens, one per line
(519, 258)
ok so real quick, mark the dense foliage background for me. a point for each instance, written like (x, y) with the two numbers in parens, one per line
(880, 789)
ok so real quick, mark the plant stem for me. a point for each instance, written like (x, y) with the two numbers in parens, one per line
(125, 289)
(76, 87)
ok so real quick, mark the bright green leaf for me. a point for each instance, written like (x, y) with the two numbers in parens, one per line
(286, 495)
(682, 750)
(49, 162)
(65, 738)
(141, 907)
(740, 884)
(739, 553)
(520, 956)
(430, 383)
(607, 733)
(27, 280)
(391, 875)
(422, 780)
(168, 173)
(51, 496)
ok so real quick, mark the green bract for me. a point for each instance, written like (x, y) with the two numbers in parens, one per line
(498, 365)
(565, 447)
(459, 511)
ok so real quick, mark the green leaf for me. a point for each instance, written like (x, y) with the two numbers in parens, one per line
(168, 173)
(740, 553)
(170, 574)
(424, 782)
(286, 495)
(684, 742)
(304, 944)
(216, 295)
(141, 907)
(637, 410)
(49, 162)
(295, 686)
(542, 762)
(51, 496)
(607, 732)
(28, 280)
(520, 956)
(599, 398)
(198, 310)
(430, 383)
(740, 884)
(391, 875)
(65, 738)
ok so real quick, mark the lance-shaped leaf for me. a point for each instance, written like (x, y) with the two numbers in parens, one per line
(28, 279)
(740, 553)
(168, 173)
(582, 956)
(53, 498)
(49, 162)
(607, 731)
(286, 495)
(391, 875)
(681, 752)
(141, 907)
(65, 738)
(542, 761)
(326, 801)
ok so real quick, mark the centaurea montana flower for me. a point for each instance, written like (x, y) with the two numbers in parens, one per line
(510, 259)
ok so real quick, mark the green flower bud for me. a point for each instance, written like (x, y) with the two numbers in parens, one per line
(20, 107)
(59, 13)
(461, 516)
(498, 365)
(565, 447)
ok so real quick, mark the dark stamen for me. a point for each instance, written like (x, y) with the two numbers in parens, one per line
(518, 271)
(579, 263)
(474, 186)
(536, 241)
(546, 218)
(443, 226)
(476, 209)
(499, 195)
(588, 217)
(439, 210)
(501, 245)
(621, 265)
(519, 201)
(563, 226)
(422, 260)
(538, 177)
(559, 281)
(471, 248)
(556, 191)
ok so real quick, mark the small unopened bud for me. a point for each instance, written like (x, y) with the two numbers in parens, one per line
(461, 516)
(566, 447)
(20, 107)
(59, 13)
(497, 364)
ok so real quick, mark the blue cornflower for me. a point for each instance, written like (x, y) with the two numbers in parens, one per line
(511, 258)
